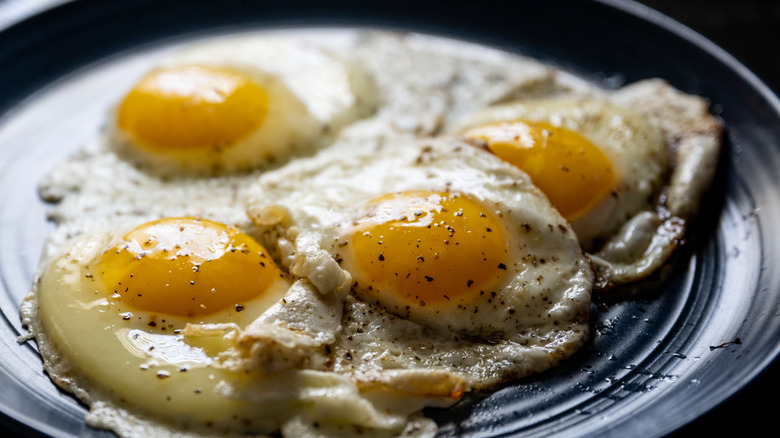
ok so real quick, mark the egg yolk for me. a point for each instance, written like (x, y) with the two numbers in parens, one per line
(192, 107)
(186, 267)
(574, 173)
(428, 247)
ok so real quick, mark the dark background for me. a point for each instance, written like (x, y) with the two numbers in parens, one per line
(747, 29)
(750, 31)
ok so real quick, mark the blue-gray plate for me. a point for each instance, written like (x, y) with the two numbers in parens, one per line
(655, 364)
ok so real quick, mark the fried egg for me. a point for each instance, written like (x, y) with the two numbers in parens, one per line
(452, 259)
(139, 325)
(115, 309)
(608, 162)
(238, 104)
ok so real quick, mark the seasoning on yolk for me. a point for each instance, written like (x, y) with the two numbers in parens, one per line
(186, 267)
(191, 107)
(425, 248)
(573, 172)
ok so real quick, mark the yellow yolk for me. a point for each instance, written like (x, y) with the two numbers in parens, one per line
(186, 267)
(191, 107)
(426, 248)
(573, 172)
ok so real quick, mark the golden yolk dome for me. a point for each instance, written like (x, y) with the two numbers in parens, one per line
(574, 173)
(423, 248)
(192, 107)
(186, 267)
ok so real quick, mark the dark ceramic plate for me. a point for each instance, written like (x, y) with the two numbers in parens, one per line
(654, 364)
